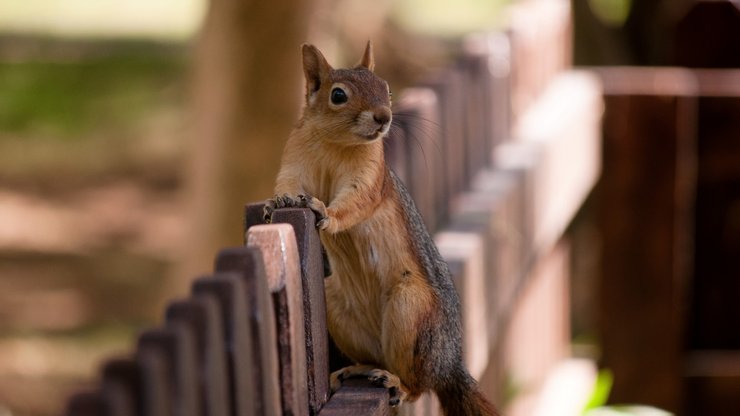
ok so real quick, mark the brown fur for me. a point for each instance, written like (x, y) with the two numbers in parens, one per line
(383, 311)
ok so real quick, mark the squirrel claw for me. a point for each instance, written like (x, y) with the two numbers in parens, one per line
(267, 210)
(390, 381)
(376, 376)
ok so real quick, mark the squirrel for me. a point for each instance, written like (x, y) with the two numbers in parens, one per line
(391, 304)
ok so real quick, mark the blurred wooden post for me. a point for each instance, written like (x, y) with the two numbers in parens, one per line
(424, 161)
(282, 266)
(90, 403)
(248, 264)
(448, 86)
(646, 191)
(708, 35)
(156, 383)
(713, 361)
(202, 315)
(122, 377)
(175, 344)
(464, 254)
(228, 290)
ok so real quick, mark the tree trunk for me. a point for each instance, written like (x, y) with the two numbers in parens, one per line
(247, 89)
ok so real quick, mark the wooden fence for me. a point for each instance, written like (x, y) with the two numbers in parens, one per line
(504, 149)
(668, 297)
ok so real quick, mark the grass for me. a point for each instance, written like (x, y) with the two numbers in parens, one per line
(83, 110)
(71, 99)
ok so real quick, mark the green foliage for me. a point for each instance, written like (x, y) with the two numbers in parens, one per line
(602, 388)
(596, 405)
(69, 99)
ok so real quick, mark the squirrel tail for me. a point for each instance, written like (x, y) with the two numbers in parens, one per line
(464, 399)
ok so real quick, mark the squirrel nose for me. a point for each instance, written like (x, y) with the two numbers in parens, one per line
(382, 116)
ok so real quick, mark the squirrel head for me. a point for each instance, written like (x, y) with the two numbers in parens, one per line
(348, 106)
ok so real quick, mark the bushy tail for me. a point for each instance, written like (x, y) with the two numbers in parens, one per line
(465, 399)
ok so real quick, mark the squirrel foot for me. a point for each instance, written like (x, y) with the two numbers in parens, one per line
(379, 377)
(323, 220)
(284, 201)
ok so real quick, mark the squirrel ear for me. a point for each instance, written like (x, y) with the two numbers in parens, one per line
(368, 61)
(315, 67)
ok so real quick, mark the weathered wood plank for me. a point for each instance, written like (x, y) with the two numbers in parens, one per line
(228, 290)
(202, 315)
(248, 264)
(358, 397)
(314, 301)
(708, 35)
(282, 266)
(464, 254)
(646, 191)
(88, 403)
(122, 377)
(425, 180)
(174, 345)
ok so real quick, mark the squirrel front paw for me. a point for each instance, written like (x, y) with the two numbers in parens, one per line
(284, 201)
(324, 221)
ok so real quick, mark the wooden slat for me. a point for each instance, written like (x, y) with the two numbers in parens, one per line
(202, 315)
(156, 382)
(538, 332)
(395, 143)
(175, 344)
(123, 378)
(228, 290)
(708, 35)
(313, 271)
(425, 180)
(358, 397)
(89, 403)
(564, 126)
(464, 253)
(314, 301)
(540, 49)
(282, 266)
(645, 190)
(448, 86)
(477, 107)
(488, 56)
(247, 262)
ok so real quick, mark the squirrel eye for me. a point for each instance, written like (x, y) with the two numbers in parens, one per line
(338, 96)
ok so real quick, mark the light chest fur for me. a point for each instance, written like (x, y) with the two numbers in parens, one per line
(372, 260)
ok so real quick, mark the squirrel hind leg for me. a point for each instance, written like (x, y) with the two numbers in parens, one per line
(377, 376)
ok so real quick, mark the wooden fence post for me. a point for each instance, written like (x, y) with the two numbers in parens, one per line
(122, 376)
(174, 343)
(708, 35)
(203, 316)
(228, 290)
(426, 180)
(313, 271)
(448, 86)
(646, 191)
(88, 403)
(249, 265)
(282, 266)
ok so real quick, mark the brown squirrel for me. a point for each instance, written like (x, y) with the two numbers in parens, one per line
(391, 305)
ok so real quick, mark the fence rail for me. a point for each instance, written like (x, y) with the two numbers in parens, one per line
(496, 183)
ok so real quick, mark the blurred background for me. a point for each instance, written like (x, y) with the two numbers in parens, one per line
(132, 133)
